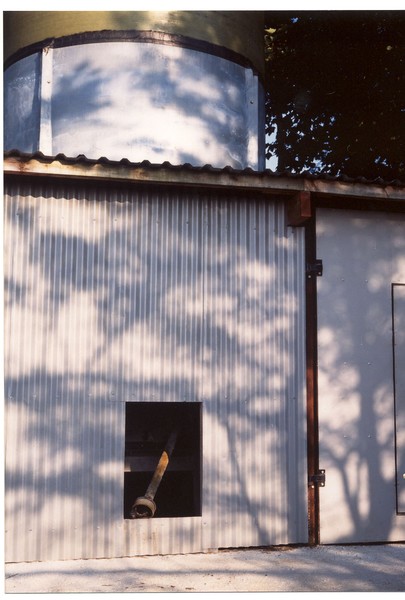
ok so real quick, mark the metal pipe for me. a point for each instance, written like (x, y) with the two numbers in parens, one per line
(144, 507)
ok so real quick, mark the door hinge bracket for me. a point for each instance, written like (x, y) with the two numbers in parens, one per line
(317, 479)
(315, 268)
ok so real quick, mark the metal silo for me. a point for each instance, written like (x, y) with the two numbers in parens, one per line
(184, 87)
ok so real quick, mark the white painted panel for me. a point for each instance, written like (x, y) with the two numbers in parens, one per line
(363, 254)
(399, 375)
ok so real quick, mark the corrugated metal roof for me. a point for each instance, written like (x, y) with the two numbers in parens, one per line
(81, 159)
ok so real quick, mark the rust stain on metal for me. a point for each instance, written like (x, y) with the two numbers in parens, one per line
(144, 507)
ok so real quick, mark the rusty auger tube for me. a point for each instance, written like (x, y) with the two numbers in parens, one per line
(144, 507)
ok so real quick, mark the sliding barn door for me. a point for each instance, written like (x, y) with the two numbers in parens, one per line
(361, 436)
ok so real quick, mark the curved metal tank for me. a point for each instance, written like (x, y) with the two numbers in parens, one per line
(183, 87)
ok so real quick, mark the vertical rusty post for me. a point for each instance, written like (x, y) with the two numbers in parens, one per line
(312, 381)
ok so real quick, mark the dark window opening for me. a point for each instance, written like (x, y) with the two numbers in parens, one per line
(162, 460)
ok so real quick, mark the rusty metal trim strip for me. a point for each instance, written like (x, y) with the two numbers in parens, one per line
(264, 182)
(135, 36)
(312, 382)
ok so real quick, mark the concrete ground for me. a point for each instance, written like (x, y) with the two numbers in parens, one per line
(368, 568)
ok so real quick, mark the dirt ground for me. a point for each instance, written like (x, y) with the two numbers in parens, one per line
(372, 568)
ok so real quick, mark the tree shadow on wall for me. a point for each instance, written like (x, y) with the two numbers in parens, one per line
(128, 298)
(141, 104)
(356, 377)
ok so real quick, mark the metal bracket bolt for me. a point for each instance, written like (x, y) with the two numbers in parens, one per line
(318, 479)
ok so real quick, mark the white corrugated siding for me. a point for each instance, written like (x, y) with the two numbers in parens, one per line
(129, 295)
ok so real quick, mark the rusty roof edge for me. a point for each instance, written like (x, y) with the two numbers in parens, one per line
(266, 182)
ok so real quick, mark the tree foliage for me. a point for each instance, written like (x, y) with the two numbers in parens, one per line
(335, 87)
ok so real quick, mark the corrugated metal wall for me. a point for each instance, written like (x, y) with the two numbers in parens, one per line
(115, 296)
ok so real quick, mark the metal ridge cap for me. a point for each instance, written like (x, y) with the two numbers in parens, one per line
(80, 167)
(304, 180)
(125, 162)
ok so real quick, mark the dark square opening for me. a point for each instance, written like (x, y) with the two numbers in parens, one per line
(167, 434)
